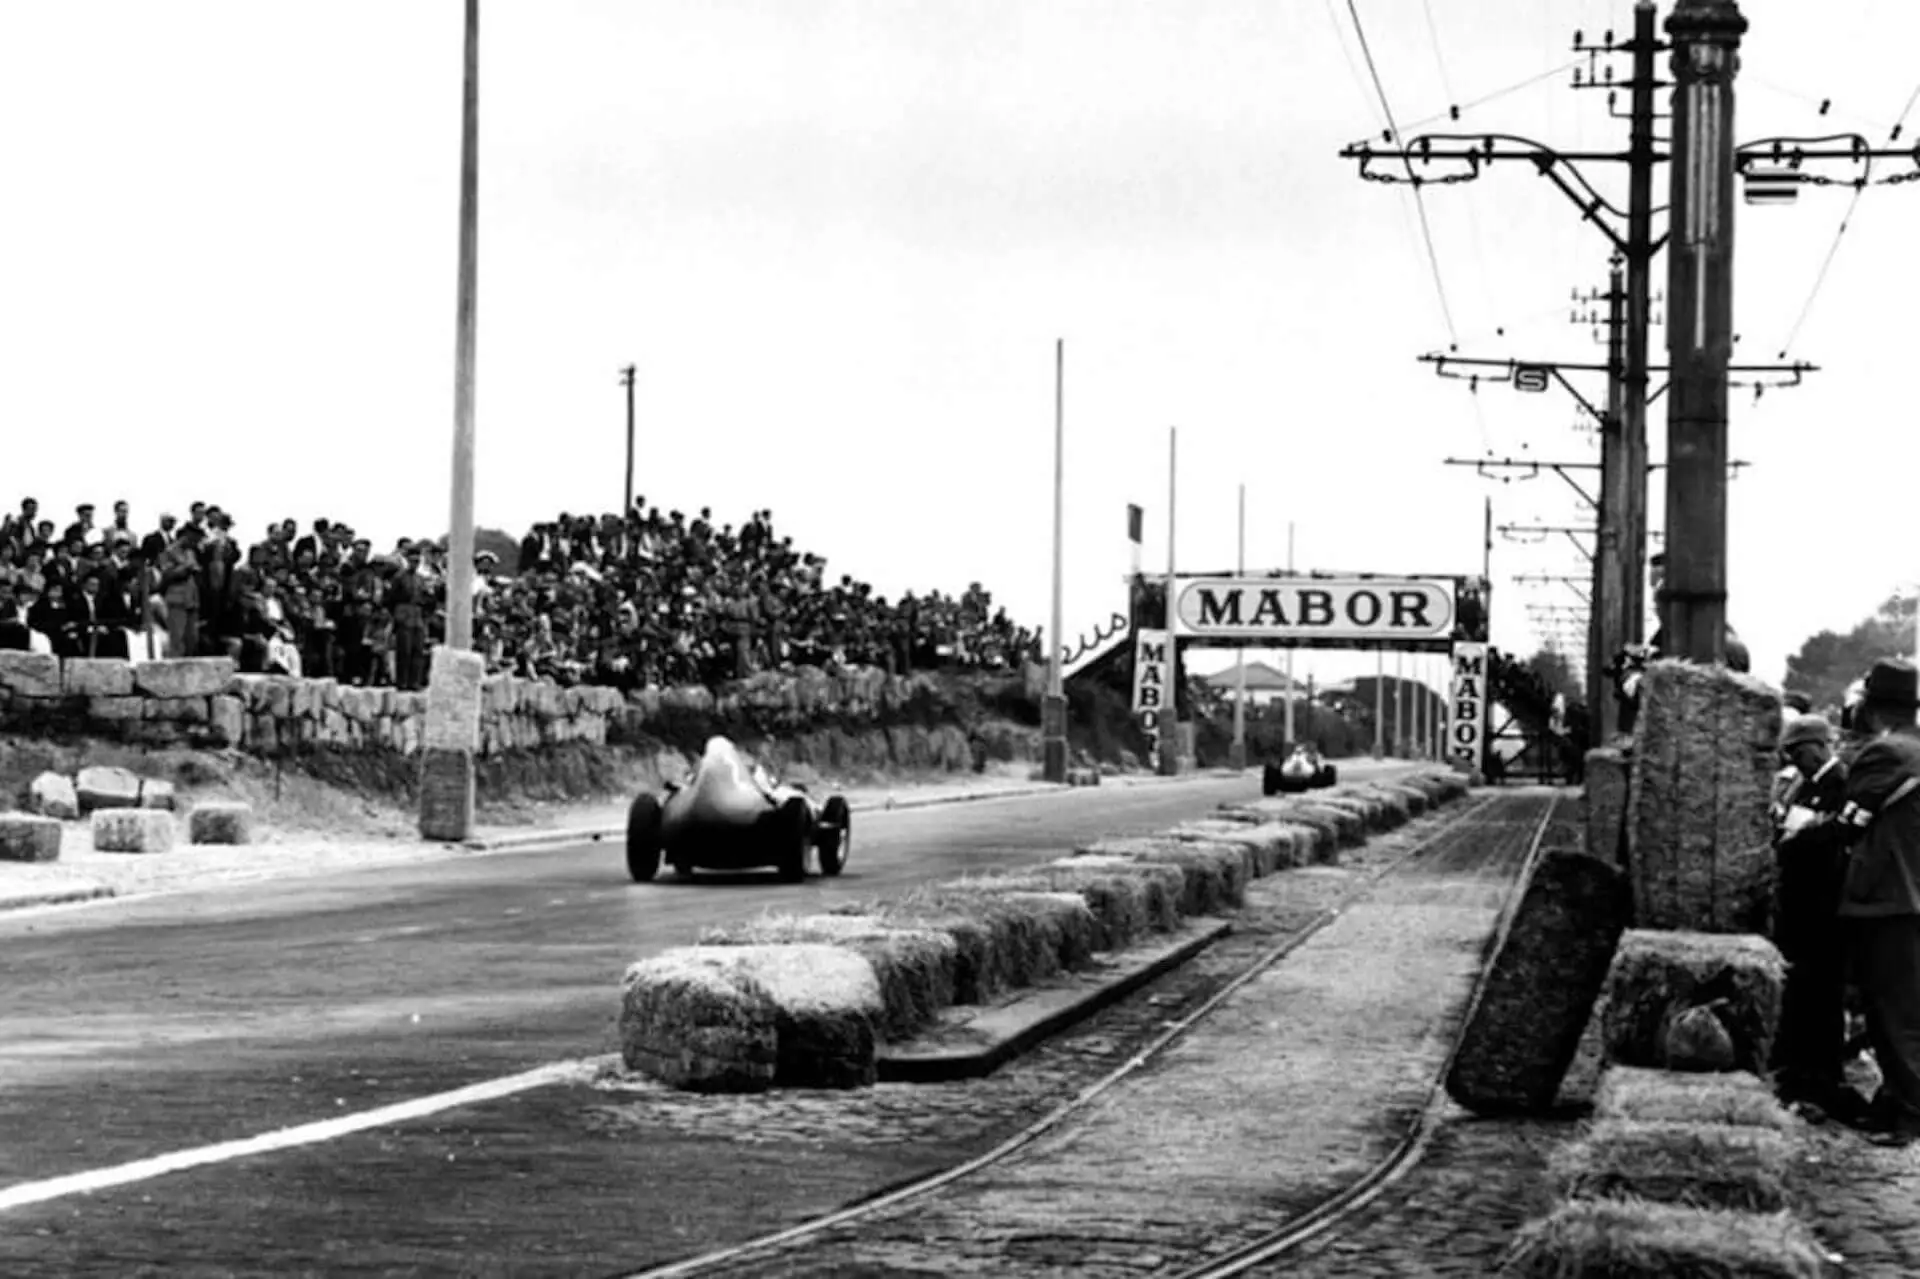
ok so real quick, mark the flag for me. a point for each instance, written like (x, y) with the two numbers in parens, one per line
(1135, 517)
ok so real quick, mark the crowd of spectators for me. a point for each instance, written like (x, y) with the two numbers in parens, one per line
(654, 599)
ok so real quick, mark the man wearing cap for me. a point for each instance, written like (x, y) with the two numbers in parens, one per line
(1880, 899)
(1809, 850)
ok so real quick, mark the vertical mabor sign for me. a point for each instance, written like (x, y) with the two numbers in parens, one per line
(1152, 681)
(1467, 709)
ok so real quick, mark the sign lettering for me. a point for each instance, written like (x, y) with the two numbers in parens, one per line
(1265, 608)
(1467, 708)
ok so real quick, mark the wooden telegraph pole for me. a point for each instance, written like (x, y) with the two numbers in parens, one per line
(1705, 37)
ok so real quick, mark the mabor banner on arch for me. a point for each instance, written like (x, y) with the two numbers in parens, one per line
(1467, 707)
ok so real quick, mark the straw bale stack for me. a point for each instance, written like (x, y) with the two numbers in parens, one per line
(1550, 968)
(1701, 777)
(1657, 976)
(749, 1018)
(915, 969)
(1270, 846)
(1696, 1165)
(215, 821)
(1126, 899)
(27, 837)
(1214, 875)
(1065, 930)
(1607, 804)
(1733, 1098)
(1628, 1239)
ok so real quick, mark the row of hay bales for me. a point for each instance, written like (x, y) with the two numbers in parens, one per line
(806, 1000)
(1652, 938)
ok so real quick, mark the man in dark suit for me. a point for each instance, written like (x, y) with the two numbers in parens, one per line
(1810, 856)
(1880, 900)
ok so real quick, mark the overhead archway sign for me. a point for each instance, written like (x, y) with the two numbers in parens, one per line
(1306, 611)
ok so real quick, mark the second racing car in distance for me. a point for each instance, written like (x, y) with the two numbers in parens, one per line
(732, 815)
(1303, 770)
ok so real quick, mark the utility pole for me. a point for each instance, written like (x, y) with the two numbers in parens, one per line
(1379, 702)
(1611, 589)
(1170, 705)
(1287, 724)
(1693, 599)
(1237, 756)
(1053, 708)
(1638, 254)
(626, 378)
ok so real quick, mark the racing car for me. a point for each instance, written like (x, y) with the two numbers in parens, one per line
(1303, 770)
(732, 815)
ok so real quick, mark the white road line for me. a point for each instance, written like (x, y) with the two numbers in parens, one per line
(81, 1183)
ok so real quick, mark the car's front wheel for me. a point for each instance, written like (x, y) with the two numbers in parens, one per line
(643, 839)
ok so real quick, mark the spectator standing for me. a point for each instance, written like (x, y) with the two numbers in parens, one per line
(180, 592)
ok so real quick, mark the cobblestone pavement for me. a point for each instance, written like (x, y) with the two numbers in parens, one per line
(1862, 1200)
(1303, 1080)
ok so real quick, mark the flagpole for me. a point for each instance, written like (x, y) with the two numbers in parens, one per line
(1053, 716)
(1238, 757)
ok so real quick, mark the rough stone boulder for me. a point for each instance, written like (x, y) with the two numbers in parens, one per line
(96, 677)
(27, 838)
(52, 795)
(132, 830)
(101, 787)
(220, 822)
(184, 677)
(30, 674)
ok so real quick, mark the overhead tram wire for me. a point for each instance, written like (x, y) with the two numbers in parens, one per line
(1419, 202)
(1840, 232)
(1454, 111)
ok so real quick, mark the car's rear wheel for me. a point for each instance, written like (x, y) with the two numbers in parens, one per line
(1269, 780)
(1333, 775)
(793, 829)
(837, 837)
(643, 839)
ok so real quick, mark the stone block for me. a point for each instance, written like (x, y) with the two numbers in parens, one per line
(96, 677)
(31, 674)
(184, 677)
(132, 830)
(446, 795)
(220, 822)
(180, 710)
(281, 691)
(101, 787)
(326, 694)
(53, 795)
(155, 793)
(116, 710)
(263, 733)
(25, 837)
(228, 719)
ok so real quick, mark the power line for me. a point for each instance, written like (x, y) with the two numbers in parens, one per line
(1454, 111)
(1433, 38)
(1419, 204)
(1826, 265)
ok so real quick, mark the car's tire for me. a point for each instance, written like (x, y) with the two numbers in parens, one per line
(1269, 780)
(643, 839)
(793, 833)
(682, 867)
(1333, 775)
(836, 841)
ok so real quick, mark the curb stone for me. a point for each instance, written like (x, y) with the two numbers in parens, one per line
(1000, 1034)
(83, 890)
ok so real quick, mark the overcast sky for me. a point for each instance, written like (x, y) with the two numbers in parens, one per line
(839, 239)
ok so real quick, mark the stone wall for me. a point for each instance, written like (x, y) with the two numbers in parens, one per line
(204, 703)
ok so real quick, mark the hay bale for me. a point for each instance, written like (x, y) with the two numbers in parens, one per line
(1213, 874)
(1734, 1098)
(1165, 885)
(1416, 799)
(1397, 804)
(1606, 773)
(1125, 900)
(1550, 968)
(749, 1018)
(1063, 924)
(220, 822)
(1322, 845)
(132, 830)
(1269, 846)
(25, 837)
(1350, 830)
(1632, 1239)
(915, 969)
(1695, 1165)
(1701, 778)
(986, 947)
(1657, 975)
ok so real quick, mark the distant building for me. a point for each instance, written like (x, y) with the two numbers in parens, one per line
(1265, 685)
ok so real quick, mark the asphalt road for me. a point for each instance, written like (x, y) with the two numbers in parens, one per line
(130, 1029)
(137, 1029)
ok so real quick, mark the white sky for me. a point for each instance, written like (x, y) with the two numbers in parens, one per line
(840, 237)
